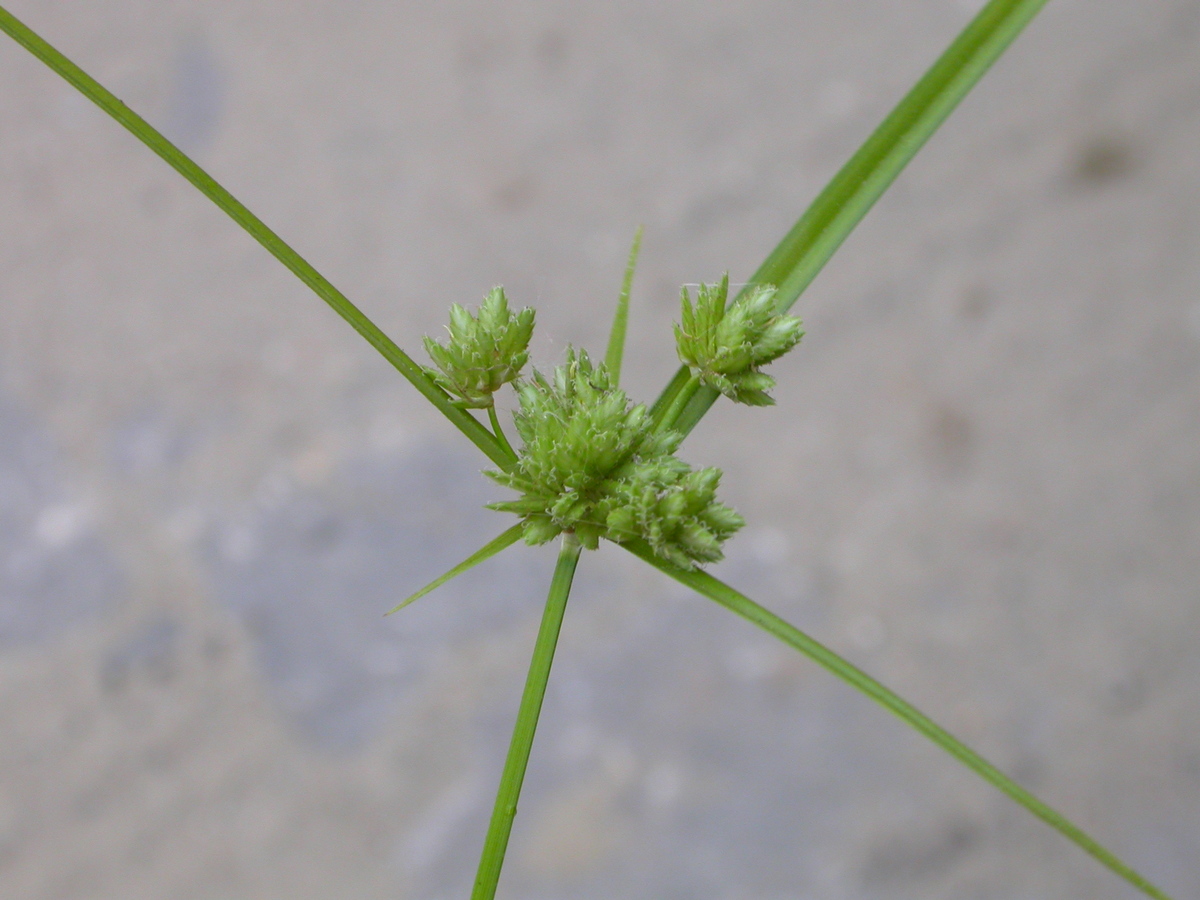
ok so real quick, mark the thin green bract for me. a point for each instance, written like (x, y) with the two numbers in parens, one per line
(502, 541)
(737, 602)
(789, 269)
(257, 229)
(842, 203)
(615, 353)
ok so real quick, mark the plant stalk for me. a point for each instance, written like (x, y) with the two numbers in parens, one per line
(678, 403)
(505, 810)
(499, 432)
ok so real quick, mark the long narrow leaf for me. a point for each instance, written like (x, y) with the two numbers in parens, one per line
(805, 249)
(257, 229)
(716, 590)
(616, 338)
(487, 551)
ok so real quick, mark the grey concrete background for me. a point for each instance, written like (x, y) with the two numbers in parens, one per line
(982, 480)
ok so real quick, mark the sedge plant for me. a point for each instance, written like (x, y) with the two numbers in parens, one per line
(590, 463)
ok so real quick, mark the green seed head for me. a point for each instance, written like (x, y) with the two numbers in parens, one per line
(724, 345)
(485, 351)
(592, 464)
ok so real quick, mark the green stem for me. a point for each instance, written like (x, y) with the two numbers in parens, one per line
(278, 248)
(678, 403)
(803, 252)
(505, 809)
(667, 397)
(700, 404)
(739, 603)
(499, 432)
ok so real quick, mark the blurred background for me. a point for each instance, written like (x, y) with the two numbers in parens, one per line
(981, 482)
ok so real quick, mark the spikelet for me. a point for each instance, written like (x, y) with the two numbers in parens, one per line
(485, 351)
(592, 464)
(724, 345)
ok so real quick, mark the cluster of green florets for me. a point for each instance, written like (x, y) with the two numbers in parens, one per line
(725, 345)
(592, 463)
(486, 351)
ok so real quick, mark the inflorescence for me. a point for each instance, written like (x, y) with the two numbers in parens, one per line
(724, 345)
(594, 464)
(485, 352)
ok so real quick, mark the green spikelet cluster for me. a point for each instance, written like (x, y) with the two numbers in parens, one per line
(725, 346)
(485, 352)
(592, 464)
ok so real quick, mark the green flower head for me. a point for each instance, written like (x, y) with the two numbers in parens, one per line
(485, 352)
(725, 345)
(592, 464)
